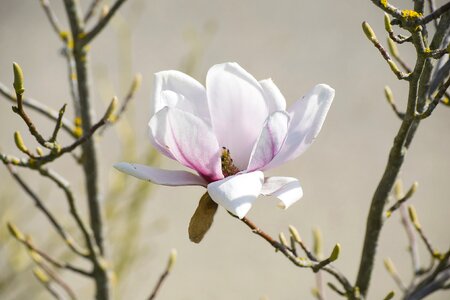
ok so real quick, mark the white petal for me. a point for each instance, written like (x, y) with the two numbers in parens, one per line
(287, 189)
(159, 176)
(307, 117)
(270, 140)
(237, 193)
(238, 109)
(187, 139)
(176, 89)
(274, 99)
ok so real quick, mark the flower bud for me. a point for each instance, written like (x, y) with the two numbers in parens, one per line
(369, 31)
(18, 79)
(413, 216)
(392, 47)
(15, 231)
(387, 23)
(390, 98)
(40, 275)
(172, 259)
(19, 142)
(111, 109)
(295, 234)
(390, 295)
(282, 239)
(389, 266)
(335, 253)
(136, 84)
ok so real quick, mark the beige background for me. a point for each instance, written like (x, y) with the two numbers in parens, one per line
(297, 44)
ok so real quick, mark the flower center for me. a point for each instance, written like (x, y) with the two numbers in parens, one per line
(228, 167)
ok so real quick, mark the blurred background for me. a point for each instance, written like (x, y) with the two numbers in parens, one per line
(296, 43)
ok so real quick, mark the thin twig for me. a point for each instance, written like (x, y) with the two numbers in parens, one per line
(435, 14)
(91, 10)
(60, 265)
(436, 100)
(51, 17)
(300, 262)
(65, 187)
(69, 241)
(413, 249)
(39, 107)
(58, 124)
(162, 278)
(102, 23)
(432, 9)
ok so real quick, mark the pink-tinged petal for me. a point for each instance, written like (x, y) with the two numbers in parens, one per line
(159, 176)
(307, 117)
(187, 139)
(274, 99)
(237, 193)
(287, 189)
(176, 89)
(238, 109)
(270, 140)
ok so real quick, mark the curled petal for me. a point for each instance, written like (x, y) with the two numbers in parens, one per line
(237, 193)
(274, 99)
(287, 189)
(187, 139)
(176, 89)
(307, 117)
(270, 140)
(238, 109)
(159, 176)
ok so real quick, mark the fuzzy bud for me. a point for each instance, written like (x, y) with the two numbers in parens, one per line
(335, 253)
(295, 234)
(18, 79)
(19, 142)
(369, 31)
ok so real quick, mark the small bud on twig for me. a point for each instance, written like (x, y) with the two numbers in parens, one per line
(111, 109)
(282, 239)
(295, 234)
(19, 142)
(172, 259)
(369, 31)
(390, 295)
(387, 23)
(136, 84)
(335, 253)
(18, 79)
(413, 216)
(317, 242)
(40, 275)
(392, 47)
(15, 231)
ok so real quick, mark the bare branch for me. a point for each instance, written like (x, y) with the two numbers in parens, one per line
(39, 107)
(102, 23)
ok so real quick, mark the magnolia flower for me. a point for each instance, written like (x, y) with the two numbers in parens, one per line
(229, 133)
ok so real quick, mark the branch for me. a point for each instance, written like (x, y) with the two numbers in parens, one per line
(91, 10)
(102, 23)
(39, 107)
(435, 14)
(26, 241)
(395, 162)
(435, 101)
(162, 278)
(372, 37)
(68, 240)
(302, 262)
